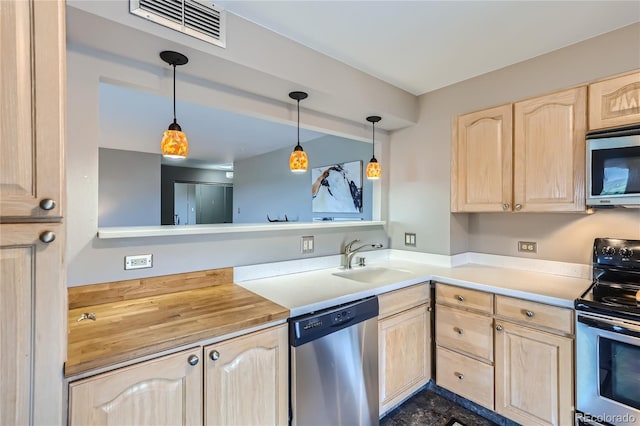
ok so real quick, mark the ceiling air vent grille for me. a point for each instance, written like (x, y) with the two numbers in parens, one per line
(200, 19)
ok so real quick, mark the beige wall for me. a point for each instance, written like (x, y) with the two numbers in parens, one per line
(419, 190)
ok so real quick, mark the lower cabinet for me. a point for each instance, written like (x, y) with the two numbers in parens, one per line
(404, 343)
(240, 381)
(534, 375)
(512, 356)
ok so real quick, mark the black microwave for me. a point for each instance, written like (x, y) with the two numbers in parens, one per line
(613, 167)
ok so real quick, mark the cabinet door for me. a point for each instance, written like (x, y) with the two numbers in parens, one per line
(246, 380)
(164, 391)
(615, 102)
(549, 152)
(32, 75)
(534, 375)
(481, 178)
(404, 355)
(32, 307)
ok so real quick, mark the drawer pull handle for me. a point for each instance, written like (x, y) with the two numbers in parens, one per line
(47, 237)
(460, 376)
(460, 298)
(499, 327)
(214, 355)
(460, 331)
(47, 204)
(193, 360)
(529, 314)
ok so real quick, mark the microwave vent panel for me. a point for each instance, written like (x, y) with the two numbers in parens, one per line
(199, 19)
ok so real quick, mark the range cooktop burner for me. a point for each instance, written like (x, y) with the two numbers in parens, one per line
(620, 301)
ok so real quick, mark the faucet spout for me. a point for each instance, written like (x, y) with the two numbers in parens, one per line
(350, 252)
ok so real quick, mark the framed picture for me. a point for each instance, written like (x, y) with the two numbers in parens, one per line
(337, 188)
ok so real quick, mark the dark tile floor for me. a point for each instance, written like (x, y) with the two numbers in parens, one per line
(430, 407)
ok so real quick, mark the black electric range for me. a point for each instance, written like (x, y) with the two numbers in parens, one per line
(616, 279)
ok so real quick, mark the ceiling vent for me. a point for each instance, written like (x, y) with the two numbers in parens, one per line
(200, 19)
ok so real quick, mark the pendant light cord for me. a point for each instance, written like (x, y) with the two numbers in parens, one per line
(373, 138)
(298, 122)
(174, 93)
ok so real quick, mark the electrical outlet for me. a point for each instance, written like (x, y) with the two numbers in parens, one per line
(409, 239)
(528, 246)
(307, 244)
(138, 261)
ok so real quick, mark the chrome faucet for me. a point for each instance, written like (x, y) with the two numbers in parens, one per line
(348, 254)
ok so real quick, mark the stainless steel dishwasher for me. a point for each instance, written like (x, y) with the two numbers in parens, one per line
(334, 366)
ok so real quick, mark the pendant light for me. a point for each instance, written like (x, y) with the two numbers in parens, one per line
(298, 161)
(373, 168)
(174, 142)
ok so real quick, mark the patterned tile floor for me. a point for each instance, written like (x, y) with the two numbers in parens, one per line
(429, 408)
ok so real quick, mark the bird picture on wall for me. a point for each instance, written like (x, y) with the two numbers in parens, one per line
(337, 188)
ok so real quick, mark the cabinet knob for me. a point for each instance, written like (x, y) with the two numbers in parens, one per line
(505, 206)
(214, 355)
(47, 204)
(529, 314)
(518, 207)
(460, 298)
(499, 327)
(47, 237)
(193, 360)
(460, 331)
(460, 376)
(429, 309)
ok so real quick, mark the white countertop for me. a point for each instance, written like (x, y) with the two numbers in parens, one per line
(304, 292)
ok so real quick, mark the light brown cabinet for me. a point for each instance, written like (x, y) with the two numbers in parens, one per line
(533, 375)
(246, 380)
(32, 83)
(404, 342)
(464, 343)
(162, 392)
(32, 294)
(522, 157)
(243, 380)
(615, 101)
(518, 350)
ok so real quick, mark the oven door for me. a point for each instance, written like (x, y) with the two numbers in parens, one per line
(607, 370)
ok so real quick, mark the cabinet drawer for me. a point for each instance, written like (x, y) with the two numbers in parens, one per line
(464, 298)
(534, 313)
(465, 376)
(403, 299)
(465, 331)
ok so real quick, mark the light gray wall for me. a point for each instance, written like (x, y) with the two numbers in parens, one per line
(128, 188)
(264, 185)
(419, 191)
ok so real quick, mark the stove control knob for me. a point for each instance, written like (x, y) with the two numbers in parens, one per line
(609, 251)
(626, 252)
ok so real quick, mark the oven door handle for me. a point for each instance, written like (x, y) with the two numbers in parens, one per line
(612, 326)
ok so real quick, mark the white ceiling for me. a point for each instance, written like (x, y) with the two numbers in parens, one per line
(420, 46)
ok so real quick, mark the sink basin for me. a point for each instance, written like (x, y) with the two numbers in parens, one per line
(375, 274)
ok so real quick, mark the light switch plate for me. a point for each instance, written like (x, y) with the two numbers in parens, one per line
(307, 244)
(409, 239)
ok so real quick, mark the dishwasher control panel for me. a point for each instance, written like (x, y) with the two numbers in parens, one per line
(317, 324)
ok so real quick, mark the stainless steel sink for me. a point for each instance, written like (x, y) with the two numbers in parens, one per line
(375, 274)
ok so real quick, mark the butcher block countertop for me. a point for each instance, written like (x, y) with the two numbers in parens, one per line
(145, 317)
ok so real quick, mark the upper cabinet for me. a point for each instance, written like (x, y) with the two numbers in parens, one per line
(481, 161)
(615, 101)
(549, 152)
(515, 157)
(32, 86)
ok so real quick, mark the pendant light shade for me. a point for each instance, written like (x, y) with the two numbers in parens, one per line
(298, 161)
(174, 142)
(374, 171)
